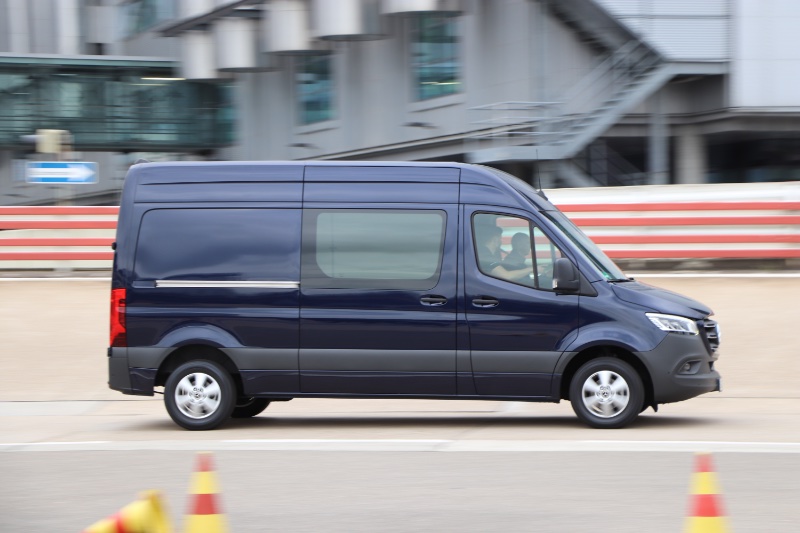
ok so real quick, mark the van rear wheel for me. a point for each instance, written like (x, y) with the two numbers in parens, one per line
(199, 395)
(249, 407)
(606, 393)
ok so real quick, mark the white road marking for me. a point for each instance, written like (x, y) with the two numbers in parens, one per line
(408, 445)
(766, 275)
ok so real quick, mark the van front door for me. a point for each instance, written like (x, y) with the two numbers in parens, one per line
(378, 300)
(518, 326)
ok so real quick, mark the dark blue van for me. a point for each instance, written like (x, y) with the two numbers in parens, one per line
(240, 284)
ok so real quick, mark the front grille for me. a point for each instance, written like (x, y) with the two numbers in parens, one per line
(710, 333)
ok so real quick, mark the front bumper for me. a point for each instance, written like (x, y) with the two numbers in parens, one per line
(666, 363)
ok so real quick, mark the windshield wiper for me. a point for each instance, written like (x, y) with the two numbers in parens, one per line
(620, 280)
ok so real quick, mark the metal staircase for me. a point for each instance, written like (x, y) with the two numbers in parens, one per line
(531, 131)
(515, 131)
(626, 79)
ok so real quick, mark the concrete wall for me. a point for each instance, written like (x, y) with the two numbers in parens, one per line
(766, 65)
(680, 29)
(148, 44)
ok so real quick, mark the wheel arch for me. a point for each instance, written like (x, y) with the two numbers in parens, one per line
(195, 352)
(586, 355)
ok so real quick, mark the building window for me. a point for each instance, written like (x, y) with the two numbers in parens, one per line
(435, 56)
(314, 88)
(142, 15)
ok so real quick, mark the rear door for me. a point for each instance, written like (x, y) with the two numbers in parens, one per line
(378, 282)
(221, 274)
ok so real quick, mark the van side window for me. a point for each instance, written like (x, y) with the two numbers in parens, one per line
(514, 249)
(219, 245)
(369, 248)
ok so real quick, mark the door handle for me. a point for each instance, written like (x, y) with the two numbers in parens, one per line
(485, 301)
(433, 300)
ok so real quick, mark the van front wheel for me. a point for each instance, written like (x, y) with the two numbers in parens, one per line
(199, 395)
(606, 393)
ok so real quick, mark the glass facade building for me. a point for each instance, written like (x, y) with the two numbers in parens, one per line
(314, 89)
(113, 105)
(435, 53)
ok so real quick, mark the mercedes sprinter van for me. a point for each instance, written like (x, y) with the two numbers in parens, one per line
(240, 284)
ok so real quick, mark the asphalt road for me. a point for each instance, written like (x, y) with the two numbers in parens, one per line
(72, 451)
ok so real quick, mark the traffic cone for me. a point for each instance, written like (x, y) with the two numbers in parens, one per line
(705, 508)
(146, 515)
(204, 514)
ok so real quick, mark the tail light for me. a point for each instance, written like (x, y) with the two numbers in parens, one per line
(119, 330)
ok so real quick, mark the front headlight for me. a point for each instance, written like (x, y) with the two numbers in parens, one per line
(677, 324)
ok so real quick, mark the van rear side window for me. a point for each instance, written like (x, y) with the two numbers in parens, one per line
(219, 244)
(388, 249)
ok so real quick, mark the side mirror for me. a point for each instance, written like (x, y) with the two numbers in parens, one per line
(567, 278)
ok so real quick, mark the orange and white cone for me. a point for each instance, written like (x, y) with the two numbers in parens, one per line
(204, 514)
(145, 515)
(706, 514)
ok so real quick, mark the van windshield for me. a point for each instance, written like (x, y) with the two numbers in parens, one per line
(606, 266)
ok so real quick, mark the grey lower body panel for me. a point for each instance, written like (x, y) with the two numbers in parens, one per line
(666, 362)
(393, 373)
(126, 379)
(377, 360)
(365, 382)
(514, 373)
(119, 378)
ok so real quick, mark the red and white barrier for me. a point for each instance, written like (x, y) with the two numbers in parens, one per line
(677, 222)
(692, 230)
(707, 222)
(62, 237)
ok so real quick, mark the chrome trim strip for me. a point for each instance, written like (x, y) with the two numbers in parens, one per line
(200, 284)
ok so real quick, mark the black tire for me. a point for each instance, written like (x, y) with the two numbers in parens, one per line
(249, 407)
(199, 395)
(607, 393)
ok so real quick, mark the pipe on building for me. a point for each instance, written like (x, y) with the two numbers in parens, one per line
(100, 21)
(69, 33)
(413, 7)
(195, 8)
(17, 20)
(286, 28)
(197, 55)
(236, 43)
(347, 20)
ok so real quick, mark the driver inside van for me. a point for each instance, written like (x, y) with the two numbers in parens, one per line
(489, 238)
(516, 260)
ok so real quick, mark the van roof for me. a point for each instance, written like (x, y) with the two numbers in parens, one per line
(206, 171)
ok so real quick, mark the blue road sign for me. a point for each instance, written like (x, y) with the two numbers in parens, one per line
(61, 172)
